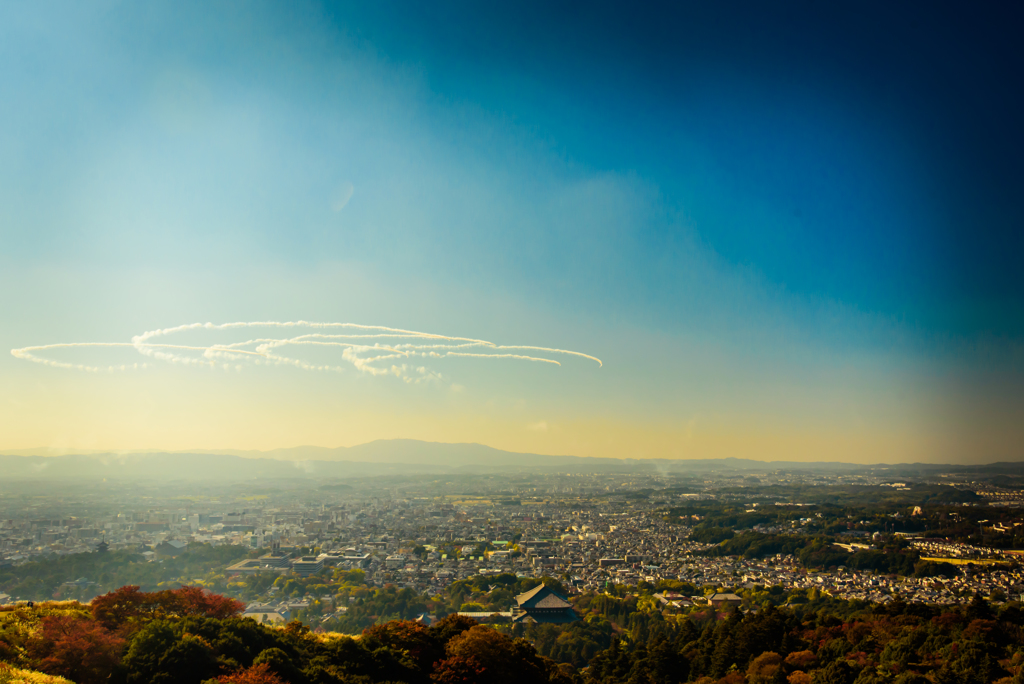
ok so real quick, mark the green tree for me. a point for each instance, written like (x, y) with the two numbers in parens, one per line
(281, 664)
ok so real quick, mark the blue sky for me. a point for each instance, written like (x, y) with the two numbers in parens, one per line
(788, 231)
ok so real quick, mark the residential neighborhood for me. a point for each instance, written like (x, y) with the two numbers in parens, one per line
(590, 532)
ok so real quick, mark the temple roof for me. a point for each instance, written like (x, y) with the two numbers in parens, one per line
(541, 596)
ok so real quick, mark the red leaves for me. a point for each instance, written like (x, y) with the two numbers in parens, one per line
(459, 670)
(198, 601)
(86, 651)
(947, 621)
(120, 608)
(74, 647)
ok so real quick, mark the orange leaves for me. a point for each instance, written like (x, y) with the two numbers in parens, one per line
(459, 670)
(257, 674)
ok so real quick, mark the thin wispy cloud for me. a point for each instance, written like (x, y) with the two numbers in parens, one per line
(371, 349)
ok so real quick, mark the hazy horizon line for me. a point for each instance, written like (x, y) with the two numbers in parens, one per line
(50, 452)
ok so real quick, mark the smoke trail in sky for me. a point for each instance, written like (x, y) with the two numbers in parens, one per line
(373, 349)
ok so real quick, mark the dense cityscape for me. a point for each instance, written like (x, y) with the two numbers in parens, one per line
(584, 570)
(590, 531)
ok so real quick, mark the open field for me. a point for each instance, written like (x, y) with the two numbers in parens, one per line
(965, 561)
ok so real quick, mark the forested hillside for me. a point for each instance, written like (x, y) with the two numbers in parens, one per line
(189, 636)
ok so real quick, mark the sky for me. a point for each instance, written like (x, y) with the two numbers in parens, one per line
(779, 231)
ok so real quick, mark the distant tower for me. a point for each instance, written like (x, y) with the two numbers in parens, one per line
(102, 546)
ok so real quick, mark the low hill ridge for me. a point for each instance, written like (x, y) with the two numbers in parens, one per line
(401, 457)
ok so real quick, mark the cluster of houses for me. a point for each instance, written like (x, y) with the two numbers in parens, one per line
(427, 546)
(575, 528)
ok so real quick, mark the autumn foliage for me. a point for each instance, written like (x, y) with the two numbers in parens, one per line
(16, 675)
(257, 674)
(76, 648)
(414, 638)
(459, 670)
(188, 636)
(128, 605)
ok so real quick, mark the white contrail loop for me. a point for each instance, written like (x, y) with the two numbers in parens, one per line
(503, 356)
(552, 351)
(356, 348)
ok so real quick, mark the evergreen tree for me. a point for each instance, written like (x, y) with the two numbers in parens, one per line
(723, 656)
(836, 672)
(979, 609)
(686, 633)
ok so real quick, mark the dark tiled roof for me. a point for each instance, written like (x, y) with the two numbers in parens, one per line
(551, 601)
(540, 616)
(543, 604)
(527, 595)
(724, 597)
(541, 597)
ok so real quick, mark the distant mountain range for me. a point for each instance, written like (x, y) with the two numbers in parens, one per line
(403, 457)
